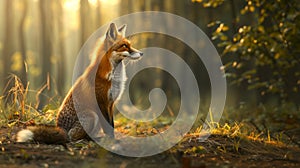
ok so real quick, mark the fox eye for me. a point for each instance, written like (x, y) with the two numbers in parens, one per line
(124, 46)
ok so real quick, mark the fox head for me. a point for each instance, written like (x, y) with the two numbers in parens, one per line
(119, 46)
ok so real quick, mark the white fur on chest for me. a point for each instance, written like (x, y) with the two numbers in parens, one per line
(118, 79)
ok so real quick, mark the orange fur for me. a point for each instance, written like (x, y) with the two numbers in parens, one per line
(98, 78)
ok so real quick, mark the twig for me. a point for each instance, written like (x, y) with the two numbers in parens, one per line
(292, 139)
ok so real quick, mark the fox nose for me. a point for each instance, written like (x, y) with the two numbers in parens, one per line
(141, 53)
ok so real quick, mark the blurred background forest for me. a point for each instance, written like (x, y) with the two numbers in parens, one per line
(258, 41)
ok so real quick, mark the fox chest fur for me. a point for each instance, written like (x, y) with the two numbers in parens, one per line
(109, 84)
(118, 79)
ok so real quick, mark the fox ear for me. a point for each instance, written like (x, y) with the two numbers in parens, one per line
(122, 30)
(112, 32)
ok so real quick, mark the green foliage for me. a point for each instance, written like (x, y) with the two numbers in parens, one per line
(263, 55)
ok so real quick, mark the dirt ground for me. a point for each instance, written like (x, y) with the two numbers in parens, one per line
(217, 151)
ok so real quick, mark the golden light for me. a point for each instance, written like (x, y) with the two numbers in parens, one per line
(111, 2)
(71, 4)
(75, 4)
(71, 16)
(93, 2)
(72, 7)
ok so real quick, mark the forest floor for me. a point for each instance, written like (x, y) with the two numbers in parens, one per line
(224, 148)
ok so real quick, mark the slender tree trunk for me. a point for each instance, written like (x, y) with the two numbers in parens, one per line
(84, 20)
(23, 73)
(8, 48)
(46, 45)
(84, 30)
(61, 60)
(98, 14)
(126, 7)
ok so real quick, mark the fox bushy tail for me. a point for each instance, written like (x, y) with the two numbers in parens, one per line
(43, 134)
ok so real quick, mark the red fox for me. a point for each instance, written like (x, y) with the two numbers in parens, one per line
(105, 76)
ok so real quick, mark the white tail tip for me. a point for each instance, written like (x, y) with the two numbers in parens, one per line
(24, 135)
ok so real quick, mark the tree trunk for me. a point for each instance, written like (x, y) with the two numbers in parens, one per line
(8, 48)
(85, 31)
(61, 59)
(84, 20)
(98, 14)
(23, 73)
(46, 46)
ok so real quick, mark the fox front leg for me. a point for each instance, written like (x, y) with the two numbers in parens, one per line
(86, 125)
(108, 128)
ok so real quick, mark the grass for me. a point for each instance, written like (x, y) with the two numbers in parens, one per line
(17, 106)
(249, 138)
